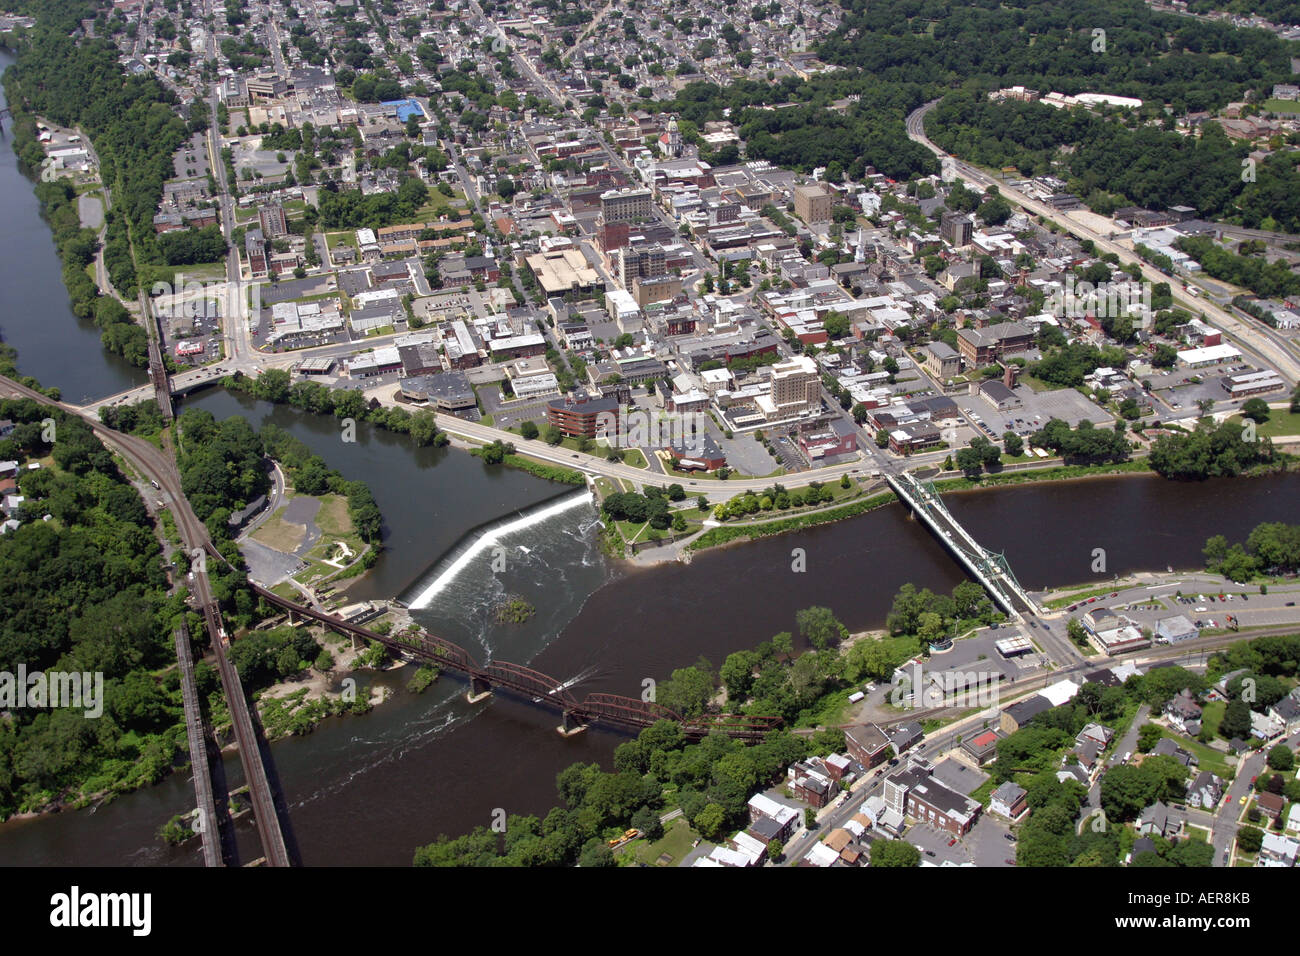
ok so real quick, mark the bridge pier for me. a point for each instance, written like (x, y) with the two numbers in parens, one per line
(571, 724)
(479, 689)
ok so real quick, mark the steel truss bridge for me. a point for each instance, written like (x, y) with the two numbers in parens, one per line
(991, 569)
(627, 713)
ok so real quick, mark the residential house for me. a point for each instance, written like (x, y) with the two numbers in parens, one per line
(1293, 819)
(1010, 800)
(1087, 753)
(1096, 732)
(1287, 712)
(1278, 850)
(1184, 713)
(1160, 820)
(1205, 791)
(762, 807)
(810, 785)
(1270, 804)
(1168, 748)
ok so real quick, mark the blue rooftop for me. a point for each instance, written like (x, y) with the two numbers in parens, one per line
(405, 108)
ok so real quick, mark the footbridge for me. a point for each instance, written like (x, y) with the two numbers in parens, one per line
(990, 569)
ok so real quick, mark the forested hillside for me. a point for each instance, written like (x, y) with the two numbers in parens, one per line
(1110, 164)
(1051, 44)
(131, 122)
(83, 591)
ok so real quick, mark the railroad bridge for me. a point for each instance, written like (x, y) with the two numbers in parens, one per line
(627, 713)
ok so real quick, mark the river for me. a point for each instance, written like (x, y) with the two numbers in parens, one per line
(53, 344)
(368, 790)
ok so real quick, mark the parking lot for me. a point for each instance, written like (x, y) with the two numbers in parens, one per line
(1035, 411)
(1181, 390)
(191, 160)
(985, 845)
(1200, 602)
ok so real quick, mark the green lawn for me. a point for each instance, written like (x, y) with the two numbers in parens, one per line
(984, 792)
(1210, 759)
(1280, 422)
(1081, 595)
(438, 204)
(676, 843)
(1282, 106)
(1037, 384)
(1212, 715)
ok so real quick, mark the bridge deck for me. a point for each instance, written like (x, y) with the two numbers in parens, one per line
(987, 568)
(626, 712)
(197, 735)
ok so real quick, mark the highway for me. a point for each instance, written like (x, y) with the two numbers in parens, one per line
(1247, 337)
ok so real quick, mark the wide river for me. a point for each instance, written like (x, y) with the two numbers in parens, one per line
(368, 790)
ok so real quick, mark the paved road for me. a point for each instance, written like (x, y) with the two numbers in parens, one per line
(1247, 337)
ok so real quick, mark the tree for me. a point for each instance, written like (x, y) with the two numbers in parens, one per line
(971, 462)
(1250, 839)
(1013, 444)
(894, 853)
(596, 853)
(1125, 791)
(528, 430)
(1236, 721)
(687, 692)
(819, 627)
(1148, 737)
(552, 435)
(1256, 409)
(931, 627)
(1281, 758)
(424, 428)
(711, 822)
(647, 821)
(737, 674)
